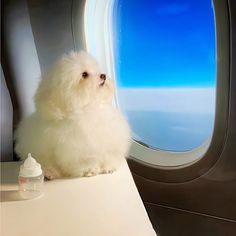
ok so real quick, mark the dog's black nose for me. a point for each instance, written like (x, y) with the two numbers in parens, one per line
(103, 76)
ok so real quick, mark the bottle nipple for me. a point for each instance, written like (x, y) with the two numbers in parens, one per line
(30, 162)
(30, 167)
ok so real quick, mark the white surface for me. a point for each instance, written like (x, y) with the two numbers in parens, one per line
(106, 205)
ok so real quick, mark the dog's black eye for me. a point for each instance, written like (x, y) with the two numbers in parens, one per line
(85, 75)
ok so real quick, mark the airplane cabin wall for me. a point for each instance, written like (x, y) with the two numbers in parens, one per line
(206, 205)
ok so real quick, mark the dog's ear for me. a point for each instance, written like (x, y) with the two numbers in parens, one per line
(48, 102)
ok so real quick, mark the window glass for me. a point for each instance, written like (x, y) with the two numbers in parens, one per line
(165, 67)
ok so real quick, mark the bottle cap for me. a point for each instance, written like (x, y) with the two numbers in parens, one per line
(30, 168)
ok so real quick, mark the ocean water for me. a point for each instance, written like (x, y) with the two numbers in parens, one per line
(173, 131)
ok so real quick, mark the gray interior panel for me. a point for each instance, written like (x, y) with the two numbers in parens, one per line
(6, 122)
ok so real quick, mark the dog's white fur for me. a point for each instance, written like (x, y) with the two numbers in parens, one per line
(75, 130)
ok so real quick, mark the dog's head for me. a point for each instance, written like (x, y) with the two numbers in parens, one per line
(74, 83)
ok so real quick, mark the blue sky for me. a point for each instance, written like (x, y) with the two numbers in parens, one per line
(162, 43)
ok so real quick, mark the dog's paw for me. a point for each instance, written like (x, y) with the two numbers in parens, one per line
(50, 175)
(108, 171)
(89, 173)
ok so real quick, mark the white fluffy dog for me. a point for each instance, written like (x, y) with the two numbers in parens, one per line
(75, 130)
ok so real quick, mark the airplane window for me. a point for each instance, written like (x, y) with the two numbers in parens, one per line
(165, 69)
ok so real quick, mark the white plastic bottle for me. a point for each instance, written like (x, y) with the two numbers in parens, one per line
(31, 179)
